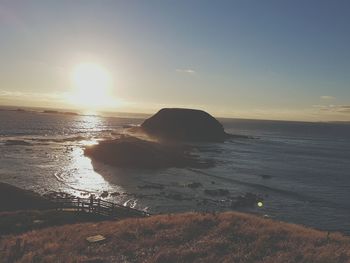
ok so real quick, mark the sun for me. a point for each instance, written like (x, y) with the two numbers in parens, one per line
(92, 86)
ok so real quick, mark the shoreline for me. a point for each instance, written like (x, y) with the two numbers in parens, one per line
(266, 167)
(36, 203)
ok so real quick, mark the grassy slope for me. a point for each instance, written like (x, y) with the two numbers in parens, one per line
(191, 237)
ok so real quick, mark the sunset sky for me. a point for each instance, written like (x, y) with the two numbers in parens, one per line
(245, 59)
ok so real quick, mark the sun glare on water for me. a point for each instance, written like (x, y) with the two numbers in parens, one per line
(92, 86)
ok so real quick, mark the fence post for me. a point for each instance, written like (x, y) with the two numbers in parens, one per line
(91, 206)
(98, 205)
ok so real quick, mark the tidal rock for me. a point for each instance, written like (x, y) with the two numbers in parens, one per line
(194, 185)
(217, 192)
(246, 200)
(265, 176)
(104, 194)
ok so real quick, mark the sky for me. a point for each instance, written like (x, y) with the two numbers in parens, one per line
(272, 59)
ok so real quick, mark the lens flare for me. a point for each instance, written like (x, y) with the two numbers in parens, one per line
(92, 87)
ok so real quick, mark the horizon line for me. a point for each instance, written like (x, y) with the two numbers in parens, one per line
(102, 113)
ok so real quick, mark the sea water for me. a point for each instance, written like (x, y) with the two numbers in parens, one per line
(300, 170)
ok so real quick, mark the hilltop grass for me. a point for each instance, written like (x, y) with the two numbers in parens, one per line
(190, 237)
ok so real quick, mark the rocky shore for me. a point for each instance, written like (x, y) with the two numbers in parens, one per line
(131, 152)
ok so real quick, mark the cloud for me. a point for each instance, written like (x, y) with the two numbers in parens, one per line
(187, 71)
(334, 108)
(344, 109)
(33, 96)
(326, 97)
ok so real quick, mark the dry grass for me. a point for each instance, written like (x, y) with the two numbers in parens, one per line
(191, 237)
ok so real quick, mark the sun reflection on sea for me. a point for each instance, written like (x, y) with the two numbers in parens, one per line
(77, 173)
(90, 122)
(80, 178)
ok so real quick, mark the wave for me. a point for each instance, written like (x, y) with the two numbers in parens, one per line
(60, 178)
(73, 138)
(17, 142)
(58, 140)
(130, 203)
(26, 141)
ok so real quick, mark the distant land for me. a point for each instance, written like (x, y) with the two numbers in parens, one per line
(60, 112)
(138, 115)
(73, 112)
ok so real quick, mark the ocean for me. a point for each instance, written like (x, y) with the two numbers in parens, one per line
(301, 170)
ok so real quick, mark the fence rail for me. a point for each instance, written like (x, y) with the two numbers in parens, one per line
(96, 206)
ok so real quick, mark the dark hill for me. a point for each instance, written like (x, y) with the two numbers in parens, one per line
(184, 125)
(13, 198)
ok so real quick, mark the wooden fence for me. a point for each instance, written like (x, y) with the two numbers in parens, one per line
(97, 206)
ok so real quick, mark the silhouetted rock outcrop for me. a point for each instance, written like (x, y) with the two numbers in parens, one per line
(184, 125)
(131, 152)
